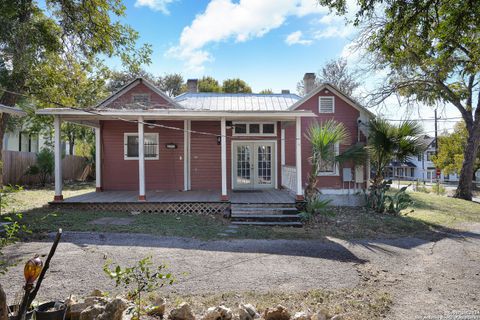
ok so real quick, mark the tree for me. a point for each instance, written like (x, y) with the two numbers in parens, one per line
(336, 73)
(236, 86)
(431, 51)
(388, 142)
(64, 81)
(172, 84)
(323, 137)
(266, 91)
(450, 150)
(208, 84)
(32, 32)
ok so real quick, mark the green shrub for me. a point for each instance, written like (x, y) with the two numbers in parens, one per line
(44, 166)
(314, 207)
(399, 201)
(438, 189)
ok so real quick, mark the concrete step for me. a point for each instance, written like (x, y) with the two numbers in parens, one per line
(265, 217)
(270, 223)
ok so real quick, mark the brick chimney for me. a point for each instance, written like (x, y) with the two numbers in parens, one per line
(285, 91)
(309, 82)
(192, 85)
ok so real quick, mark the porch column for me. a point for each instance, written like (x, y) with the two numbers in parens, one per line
(98, 161)
(186, 154)
(282, 147)
(223, 138)
(298, 157)
(141, 161)
(57, 123)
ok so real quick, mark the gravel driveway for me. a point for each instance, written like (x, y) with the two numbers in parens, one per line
(425, 278)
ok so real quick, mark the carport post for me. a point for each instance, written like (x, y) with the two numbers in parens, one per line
(57, 125)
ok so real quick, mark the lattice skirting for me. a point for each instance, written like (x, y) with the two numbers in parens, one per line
(203, 208)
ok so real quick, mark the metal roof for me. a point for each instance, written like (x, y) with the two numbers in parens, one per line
(236, 101)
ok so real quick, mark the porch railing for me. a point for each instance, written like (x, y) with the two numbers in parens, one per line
(289, 178)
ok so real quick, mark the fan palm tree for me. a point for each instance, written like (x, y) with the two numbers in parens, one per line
(323, 137)
(388, 142)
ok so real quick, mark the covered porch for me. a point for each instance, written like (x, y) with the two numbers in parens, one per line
(143, 120)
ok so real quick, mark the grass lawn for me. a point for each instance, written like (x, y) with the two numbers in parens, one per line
(431, 214)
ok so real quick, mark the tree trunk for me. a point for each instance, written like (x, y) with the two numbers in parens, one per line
(3, 305)
(71, 145)
(464, 189)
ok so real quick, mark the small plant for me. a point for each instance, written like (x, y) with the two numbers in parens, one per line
(138, 279)
(314, 207)
(399, 201)
(44, 166)
(439, 189)
(12, 227)
(376, 198)
(6, 193)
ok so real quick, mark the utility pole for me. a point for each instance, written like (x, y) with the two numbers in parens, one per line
(437, 171)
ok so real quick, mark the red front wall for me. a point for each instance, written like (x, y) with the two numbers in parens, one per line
(166, 173)
(155, 99)
(344, 113)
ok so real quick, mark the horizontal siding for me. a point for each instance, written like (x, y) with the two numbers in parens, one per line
(344, 113)
(166, 173)
(205, 161)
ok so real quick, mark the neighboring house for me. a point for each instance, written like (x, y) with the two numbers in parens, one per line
(419, 168)
(214, 141)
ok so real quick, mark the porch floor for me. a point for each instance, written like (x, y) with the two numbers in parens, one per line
(257, 196)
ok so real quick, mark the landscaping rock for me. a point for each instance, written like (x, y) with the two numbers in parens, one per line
(277, 313)
(337, 317)
(92, 312)
(74, 310)
(301, 316)
(247, 312)
(157, 308)
(114, 310)
(218, 313)
(182, 312)
(96, 293)
(320, 315)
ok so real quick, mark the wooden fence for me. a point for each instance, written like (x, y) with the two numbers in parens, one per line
(16, 163)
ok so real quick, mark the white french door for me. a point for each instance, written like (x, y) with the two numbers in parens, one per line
(253, 165)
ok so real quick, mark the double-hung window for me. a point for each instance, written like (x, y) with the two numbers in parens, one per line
(150, 146)
(329, 167)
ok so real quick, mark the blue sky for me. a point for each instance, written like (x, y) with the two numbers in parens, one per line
(268, 43)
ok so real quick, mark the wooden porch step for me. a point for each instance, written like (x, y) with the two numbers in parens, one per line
(263, 210)
(270, 223)
(263, 205)
(265, 217)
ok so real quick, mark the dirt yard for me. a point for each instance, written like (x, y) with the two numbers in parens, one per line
(424, 278)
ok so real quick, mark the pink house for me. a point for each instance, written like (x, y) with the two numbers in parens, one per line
(211, 147)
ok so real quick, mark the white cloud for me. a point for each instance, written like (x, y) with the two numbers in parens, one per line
(296, 38)
(157, 5)
(225, 19)
(335, 31)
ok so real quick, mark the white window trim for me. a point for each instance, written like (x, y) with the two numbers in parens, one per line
(336, 172)
(140, 95)
(333, 104)
(248, 134)
(135, 134)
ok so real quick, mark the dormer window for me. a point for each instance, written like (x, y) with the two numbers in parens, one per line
(326, 104)
(141, 98)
